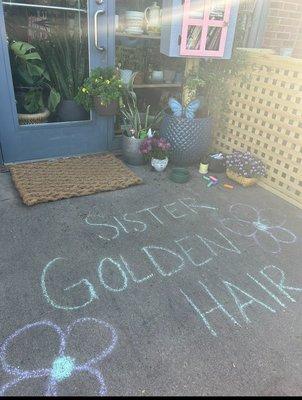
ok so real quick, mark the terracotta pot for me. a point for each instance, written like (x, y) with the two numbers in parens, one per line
(139, 78)
(109, 110)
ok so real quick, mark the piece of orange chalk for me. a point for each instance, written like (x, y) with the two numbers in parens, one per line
(228, 186)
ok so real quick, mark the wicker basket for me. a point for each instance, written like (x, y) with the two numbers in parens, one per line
(31, 119)
(240, 179)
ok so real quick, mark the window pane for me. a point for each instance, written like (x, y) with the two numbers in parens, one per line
(217, 10)
(213, 38)
(48, 46)
(194, 37)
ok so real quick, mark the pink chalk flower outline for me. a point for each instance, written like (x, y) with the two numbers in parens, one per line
(249, 222)
(63, 366)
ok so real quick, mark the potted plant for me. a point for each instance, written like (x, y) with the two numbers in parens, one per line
(244, 168)
(217, 163)
(101, 91)
(155, 66)
(61, 52)
(131, 63)
(156, 149)
(204, 164)
(137, 128)
(124, 61)
(212, 81)
(36, 98)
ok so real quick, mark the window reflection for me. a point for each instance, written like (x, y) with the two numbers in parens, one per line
(48, 46)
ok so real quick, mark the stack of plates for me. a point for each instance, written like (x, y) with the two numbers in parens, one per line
(134, 22)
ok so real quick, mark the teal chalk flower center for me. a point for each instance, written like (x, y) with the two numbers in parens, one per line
(260, 226)
(62, 368)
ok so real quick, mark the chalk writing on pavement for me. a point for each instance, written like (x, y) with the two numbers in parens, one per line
(64, 366)
(187, 255)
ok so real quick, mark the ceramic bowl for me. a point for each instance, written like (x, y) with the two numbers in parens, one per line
(180, 175)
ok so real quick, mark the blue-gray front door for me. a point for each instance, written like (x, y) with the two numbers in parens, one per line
(56, 139)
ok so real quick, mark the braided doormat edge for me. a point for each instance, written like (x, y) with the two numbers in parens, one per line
(47, 181)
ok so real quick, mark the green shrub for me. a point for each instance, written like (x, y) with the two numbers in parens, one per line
(103, 83)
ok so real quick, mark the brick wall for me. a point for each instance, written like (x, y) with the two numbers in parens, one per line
(284, 26)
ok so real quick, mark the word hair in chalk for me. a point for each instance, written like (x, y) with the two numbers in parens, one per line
(63, 366)
(244, 299)
(249, 222)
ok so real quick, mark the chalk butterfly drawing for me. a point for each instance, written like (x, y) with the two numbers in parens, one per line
(267, 230)
(63, 366)
(180, 111)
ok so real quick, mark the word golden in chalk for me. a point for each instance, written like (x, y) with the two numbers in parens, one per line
(191, 251)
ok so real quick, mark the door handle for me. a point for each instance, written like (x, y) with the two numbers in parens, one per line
(96, 30)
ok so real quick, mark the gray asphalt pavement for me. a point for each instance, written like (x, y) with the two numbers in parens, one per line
(159, 289)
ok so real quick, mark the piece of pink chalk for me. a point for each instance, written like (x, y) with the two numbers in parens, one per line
(214, 178)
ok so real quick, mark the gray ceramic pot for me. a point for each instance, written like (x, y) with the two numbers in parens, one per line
(131, 153)
(189, 138)
(69, 110)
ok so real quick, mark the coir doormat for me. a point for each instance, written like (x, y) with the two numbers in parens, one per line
(41, 182)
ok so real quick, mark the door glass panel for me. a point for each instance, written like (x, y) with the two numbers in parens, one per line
(197, 8)
(155, 76)
(213, 38)
(217, 10)
(48, 47)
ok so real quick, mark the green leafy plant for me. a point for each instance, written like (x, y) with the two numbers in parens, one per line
(66, 58)
(212, 81)
(139, 126)
(103, 83)
(31, 80)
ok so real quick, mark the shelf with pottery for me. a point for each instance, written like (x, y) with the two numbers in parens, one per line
(157, 85)
(136, 36)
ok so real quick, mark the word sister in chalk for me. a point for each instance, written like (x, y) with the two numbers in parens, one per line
(243, 220)
(138, 221)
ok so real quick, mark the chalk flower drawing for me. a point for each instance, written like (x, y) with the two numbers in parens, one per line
(63, 366)
(263, 226)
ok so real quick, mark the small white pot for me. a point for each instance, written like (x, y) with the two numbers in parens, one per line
(157, 76)
(159, 165)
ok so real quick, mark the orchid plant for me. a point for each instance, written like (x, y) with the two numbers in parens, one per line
(155, 147)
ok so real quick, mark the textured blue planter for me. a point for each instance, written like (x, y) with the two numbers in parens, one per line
(189, 138)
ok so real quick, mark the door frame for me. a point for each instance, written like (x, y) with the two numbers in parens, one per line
(25, 143)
